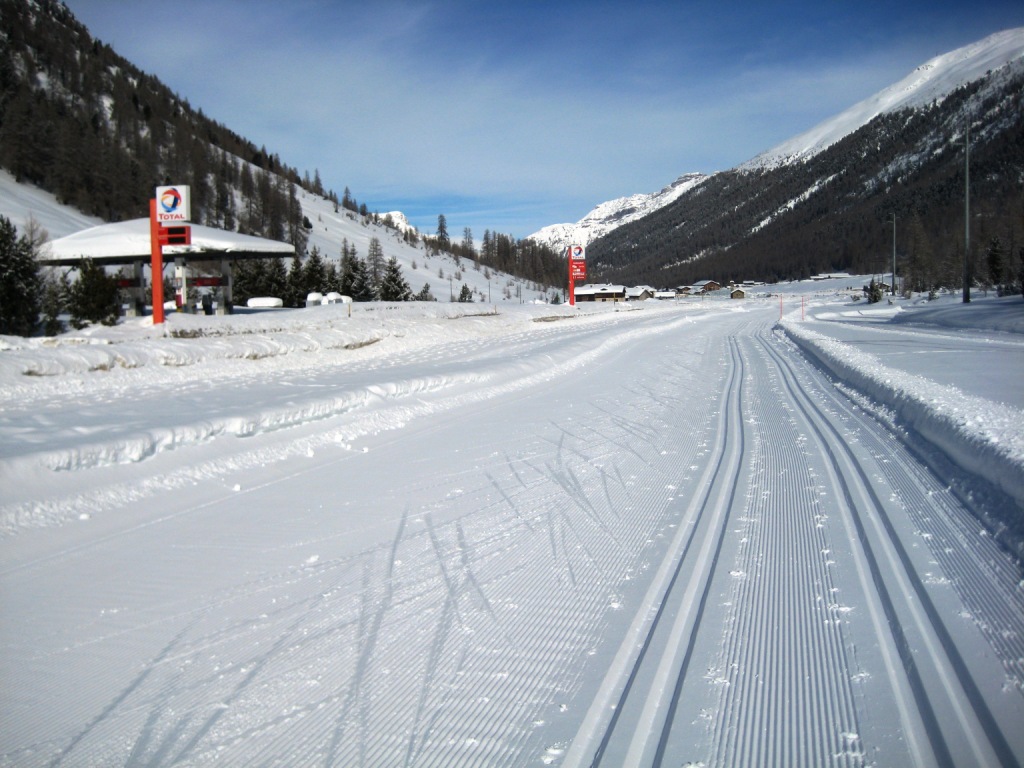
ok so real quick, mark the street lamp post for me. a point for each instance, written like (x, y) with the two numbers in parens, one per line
(894, 254)
(967, 211)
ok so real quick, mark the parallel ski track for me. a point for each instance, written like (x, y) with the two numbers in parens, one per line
(933, 667)
(784, 673)
(445, 630)
(796, 704)
(680, 606)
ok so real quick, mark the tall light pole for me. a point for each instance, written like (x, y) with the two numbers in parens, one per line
(894, 254)
(967, 210)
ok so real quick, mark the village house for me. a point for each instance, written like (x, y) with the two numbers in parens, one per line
(600, 292)
(640, 293)
(706, 286)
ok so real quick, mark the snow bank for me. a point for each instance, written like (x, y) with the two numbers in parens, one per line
(981, 436)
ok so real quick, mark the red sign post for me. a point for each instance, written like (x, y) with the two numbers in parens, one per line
(174, 208)
(577, 269)
(156, 264)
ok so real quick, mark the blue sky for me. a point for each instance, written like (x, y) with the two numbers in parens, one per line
(510, 116)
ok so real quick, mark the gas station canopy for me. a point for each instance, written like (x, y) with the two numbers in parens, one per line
(125, 242)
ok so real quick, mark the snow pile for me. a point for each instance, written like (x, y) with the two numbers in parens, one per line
(112, 364)
(983, 437)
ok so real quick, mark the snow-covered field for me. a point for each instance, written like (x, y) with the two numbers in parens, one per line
(444, 534)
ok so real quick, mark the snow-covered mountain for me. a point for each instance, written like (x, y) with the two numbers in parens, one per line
(614, 213)
(932, 81)
(928, 83)
(821, 201)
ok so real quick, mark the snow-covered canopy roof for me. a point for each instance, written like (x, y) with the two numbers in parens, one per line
(127, 241)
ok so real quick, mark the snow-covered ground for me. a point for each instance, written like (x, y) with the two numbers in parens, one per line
(444, 534)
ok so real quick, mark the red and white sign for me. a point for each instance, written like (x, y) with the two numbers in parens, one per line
(173, 204)
(577, 253)
(578, 270)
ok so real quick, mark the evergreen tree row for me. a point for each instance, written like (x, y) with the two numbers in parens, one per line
(523, 258)
(31, 294)
(372, 279)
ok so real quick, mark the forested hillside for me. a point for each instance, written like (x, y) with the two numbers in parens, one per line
(82, 122)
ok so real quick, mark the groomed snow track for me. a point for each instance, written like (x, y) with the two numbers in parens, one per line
(652, 537)
(794, 685)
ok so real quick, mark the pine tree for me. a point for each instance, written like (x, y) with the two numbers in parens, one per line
(360, 288)
(298, 234)
(996, 261)
(346, 272)
(54, 301)
(393, 286)
(93, 298)
(275, 278)
(465, 295)
(424, 294)
(874, 292)
(316, 272)
(243, 280)
(295, 292)
(332, 280)
(442, 233)
(375, 266)
(20, 282)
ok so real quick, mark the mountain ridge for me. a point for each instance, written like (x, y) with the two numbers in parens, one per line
(931, 81)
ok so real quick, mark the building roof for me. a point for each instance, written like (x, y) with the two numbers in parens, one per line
(589, 288)
(128, 241)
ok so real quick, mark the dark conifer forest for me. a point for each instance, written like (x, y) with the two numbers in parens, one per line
(82, 122)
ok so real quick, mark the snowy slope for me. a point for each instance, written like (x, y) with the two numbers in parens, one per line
(929, 82)
(20, 202)
(444, 273)
(330, 229)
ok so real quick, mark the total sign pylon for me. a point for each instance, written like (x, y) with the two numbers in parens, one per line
(577, 269)
(169, 206)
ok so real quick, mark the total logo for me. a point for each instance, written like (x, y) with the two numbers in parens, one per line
(170, 200)
(172, 204)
